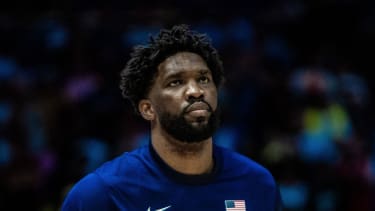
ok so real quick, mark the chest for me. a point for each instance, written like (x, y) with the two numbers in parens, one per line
(170, 197)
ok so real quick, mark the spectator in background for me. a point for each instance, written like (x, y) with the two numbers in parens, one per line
(173, 83)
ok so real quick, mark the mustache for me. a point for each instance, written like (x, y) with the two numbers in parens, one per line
(197, 100)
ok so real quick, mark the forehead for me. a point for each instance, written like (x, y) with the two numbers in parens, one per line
(182, 62)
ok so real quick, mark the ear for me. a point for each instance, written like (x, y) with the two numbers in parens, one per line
(146, 110)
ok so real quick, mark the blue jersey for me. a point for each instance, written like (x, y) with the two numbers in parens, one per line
(141, 181)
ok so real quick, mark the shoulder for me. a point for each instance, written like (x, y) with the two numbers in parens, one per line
(239, 165)
(93, 192)
(246, 173)
(124, 164)
(87, 194)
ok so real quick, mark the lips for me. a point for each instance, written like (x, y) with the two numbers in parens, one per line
(197, 106)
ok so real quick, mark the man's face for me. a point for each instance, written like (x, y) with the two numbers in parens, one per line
(184, 97)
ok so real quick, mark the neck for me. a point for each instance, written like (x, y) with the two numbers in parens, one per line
(186, 158)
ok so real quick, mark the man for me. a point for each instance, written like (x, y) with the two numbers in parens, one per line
(173, 83)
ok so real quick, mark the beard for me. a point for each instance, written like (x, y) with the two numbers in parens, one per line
(180, 129)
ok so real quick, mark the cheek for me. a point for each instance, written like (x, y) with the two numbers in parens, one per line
(166, 103)
(212, 98)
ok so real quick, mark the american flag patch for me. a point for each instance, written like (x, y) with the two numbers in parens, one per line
(235, 205)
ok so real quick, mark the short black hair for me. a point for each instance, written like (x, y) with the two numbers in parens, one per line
(140, 71)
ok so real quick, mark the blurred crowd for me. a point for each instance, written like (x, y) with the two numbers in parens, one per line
(297, 98)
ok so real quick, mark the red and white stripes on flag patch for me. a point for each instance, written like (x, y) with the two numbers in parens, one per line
(235, 205)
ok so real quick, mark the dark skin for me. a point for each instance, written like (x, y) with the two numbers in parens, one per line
(181, 77)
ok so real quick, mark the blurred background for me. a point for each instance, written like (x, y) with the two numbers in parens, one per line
(298, 95)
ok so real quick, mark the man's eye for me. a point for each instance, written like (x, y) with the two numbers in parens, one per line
(175, 83)
(204, 80)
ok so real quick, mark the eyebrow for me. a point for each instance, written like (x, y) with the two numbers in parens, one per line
(204, 71)
(173, 75)
(179, 74)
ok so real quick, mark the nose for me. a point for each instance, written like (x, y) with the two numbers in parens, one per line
(193, 90)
